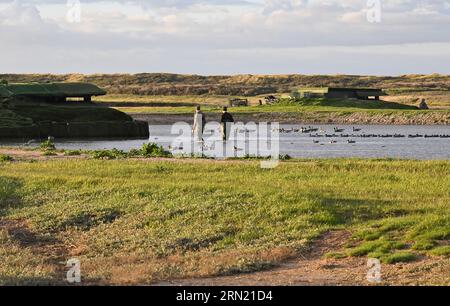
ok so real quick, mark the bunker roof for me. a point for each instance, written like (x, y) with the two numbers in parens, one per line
(50, 90)
(359, 91)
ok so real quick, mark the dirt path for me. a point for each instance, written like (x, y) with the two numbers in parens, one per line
(21, 154)
(51, 249)
(312, 269)
(36, 155)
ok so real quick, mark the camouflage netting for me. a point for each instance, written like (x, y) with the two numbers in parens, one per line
(50, 90)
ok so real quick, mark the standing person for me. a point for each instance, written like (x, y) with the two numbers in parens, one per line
(226, 121)
(199, 124)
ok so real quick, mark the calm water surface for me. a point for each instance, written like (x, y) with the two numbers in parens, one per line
(297, 144)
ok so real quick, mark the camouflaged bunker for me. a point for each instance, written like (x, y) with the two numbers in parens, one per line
(339, 93)
(50, 92)
(62, 110)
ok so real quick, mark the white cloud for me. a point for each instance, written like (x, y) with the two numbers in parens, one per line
(214, 30)
(19, 14)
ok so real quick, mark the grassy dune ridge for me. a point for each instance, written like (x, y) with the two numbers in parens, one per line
(245, 85)
(162, 93)
(134, 221)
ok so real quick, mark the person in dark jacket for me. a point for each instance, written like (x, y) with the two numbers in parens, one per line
(226, 121)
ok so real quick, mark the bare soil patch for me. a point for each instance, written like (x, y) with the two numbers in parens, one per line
(311, 268)
(21, 154)
(50, 248)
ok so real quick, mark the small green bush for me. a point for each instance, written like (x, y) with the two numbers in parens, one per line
(108, 154)
(72, 153)
(153, 150)
(5, 158)
(102, 154)
(134, 153)
(47, 145)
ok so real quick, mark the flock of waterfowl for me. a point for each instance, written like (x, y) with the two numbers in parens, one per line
(381, 135)
(339, 133)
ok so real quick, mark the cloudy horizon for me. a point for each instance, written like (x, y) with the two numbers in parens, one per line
(225, 37)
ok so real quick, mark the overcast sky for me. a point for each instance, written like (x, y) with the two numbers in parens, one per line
(225, 36)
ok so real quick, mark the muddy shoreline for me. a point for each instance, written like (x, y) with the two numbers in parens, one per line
(429, 118)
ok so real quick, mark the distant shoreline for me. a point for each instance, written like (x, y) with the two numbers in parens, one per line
(429, 118)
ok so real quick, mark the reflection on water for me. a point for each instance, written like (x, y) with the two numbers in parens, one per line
(322, 141)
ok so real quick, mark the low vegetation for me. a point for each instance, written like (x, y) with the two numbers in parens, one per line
(154, 150)
(144, 221)
(72, 152)
(179, 94)
(148, 150)
(47, 145)
(5, 158)
(337, 111)
(241, 85)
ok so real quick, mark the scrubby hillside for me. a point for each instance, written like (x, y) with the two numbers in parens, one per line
(244, 85)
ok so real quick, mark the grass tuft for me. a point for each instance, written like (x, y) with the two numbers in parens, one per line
(441, 251)
(399, 257)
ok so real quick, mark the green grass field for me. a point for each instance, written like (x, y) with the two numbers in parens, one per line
(142, 221)
(185, 104)
(309, 110)
(398, 109)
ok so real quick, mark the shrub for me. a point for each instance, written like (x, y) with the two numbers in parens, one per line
(72, 153)
(103, 154)
(285, 157)
(134, 153)
(47, 145)
(108, 154)
(5, 158)
(153, 150)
